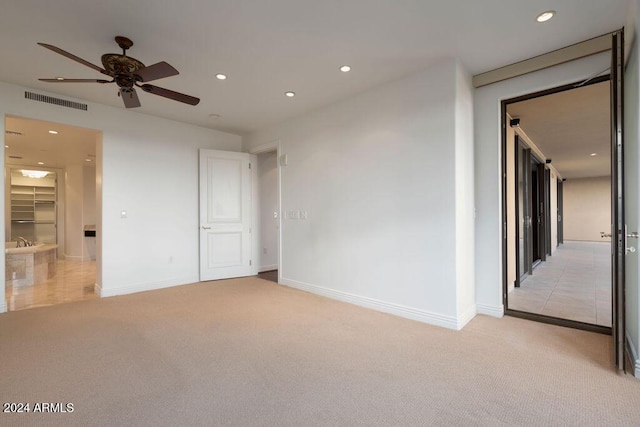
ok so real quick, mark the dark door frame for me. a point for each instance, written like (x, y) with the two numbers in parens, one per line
(517, 313)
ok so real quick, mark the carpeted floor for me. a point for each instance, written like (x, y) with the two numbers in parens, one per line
(250, 352)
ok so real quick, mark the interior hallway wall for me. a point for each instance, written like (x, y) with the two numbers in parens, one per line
(587, 208)
(379, 175)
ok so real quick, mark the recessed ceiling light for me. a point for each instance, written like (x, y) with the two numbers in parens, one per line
(41, 163)
(290, 94)
(53, 132)
(593, 154)
(221, 76)
(60, 78)
(87, 160)
(345, 68)
(214, 116)
(545, 16)
(6, 146)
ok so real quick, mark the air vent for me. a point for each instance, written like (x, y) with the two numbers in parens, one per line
(15, 157)
(55, 101)
(13, 132)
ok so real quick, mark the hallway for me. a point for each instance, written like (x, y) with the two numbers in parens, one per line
(574, 284)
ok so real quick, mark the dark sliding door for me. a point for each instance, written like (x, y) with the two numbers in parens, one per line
(560, 213)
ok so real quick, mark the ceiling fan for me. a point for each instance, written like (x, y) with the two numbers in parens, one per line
(128, 73)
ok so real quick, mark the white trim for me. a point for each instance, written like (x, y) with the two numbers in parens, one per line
(466, 317)
(385, 307)
(142, 287)
(3, 306)
(633, 355)
(490, 310)
(268, 268)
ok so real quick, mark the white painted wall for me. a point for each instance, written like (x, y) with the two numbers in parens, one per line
(488, 186)
(632, 180)
(464, 197)
(149, 167)
(268, 195)
(74, 194)
(386, 179)
(587, 208)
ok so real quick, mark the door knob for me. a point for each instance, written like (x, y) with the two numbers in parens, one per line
(604, 234)
(633, 234)
(206, 228)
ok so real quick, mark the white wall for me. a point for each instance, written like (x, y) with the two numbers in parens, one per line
(488, 253)
(632, 179)
(74, 194)
(268, 194)
(149, 167)
(587, 208)
(386, 179)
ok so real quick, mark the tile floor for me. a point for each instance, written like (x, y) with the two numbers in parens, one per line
(74, 281)
(574, 283)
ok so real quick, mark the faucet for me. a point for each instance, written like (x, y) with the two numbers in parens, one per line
(24, 241)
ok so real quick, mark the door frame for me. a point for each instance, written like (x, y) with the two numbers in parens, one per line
(260, 149)
(505, 290)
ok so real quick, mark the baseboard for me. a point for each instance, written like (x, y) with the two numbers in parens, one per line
(3, 306)
(490, 310)
(268, 268)
(466, 317)
(385, 307)
(142, 287)
(632, 354)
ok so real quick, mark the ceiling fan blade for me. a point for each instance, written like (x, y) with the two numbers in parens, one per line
(76, 80)
(72, 56)
(129, 97)
(156, 71)
(176, 96)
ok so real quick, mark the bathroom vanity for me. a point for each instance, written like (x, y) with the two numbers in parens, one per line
(30, 265)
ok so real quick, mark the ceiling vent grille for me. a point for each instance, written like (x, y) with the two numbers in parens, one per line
(55, 101)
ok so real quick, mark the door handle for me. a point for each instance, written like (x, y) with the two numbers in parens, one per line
(206, 228)
(604, 234)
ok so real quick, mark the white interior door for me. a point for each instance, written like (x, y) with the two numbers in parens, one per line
(225, 214)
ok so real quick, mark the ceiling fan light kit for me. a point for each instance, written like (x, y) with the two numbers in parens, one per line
(128, 73)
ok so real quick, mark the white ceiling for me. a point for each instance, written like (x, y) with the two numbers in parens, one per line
(30, 142)
(568, 127)
(269, 47)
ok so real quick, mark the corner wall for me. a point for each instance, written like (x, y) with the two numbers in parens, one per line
(386, 186)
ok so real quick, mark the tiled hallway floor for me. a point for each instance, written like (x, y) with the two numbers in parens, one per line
(574, 284)
(74, 281)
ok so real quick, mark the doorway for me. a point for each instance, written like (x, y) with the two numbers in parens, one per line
(562, 201)
(50, 212)
(269, 220)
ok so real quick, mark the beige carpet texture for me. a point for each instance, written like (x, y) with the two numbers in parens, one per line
(248, 352)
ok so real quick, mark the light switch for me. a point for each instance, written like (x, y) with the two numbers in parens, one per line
(123, 214)
(303, 214)
(284, 160)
